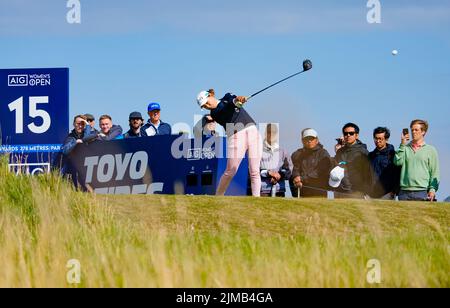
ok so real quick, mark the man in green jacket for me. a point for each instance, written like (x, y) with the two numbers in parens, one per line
(420, 165)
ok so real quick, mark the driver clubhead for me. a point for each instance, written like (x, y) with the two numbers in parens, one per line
(307, 65)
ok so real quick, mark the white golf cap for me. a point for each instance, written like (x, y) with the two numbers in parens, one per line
(336, 177)
(309, 133)
(202, 98)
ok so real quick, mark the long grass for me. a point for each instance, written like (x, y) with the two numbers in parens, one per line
(181, 241)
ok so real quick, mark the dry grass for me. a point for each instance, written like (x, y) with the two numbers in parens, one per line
(180, 241)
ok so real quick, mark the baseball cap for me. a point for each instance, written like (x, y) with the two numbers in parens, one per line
(136, 115)
(309, 133)
(336, 176)
(89, 117)
(202, 98)
(153, 107)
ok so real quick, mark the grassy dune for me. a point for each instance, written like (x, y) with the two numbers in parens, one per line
(180, 241)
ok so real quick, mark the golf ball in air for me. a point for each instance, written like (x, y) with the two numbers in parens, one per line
(394, 52)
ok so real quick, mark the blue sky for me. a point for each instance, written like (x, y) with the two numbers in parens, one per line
(125, 54)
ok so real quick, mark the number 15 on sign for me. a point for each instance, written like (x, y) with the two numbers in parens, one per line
(17, 106)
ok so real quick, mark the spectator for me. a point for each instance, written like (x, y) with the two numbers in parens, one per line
(108, 130)
(81, 133)
(312, 165)
(275, 166)
(353, 156)
(386, 174)
(242, 136)
(419, 180)
(205, 127)
(155, 126)
(136, 122)
(91, 121)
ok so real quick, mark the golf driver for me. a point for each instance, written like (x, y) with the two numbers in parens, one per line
(307, 65)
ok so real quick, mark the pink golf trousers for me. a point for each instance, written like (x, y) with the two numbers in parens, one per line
(237, 145)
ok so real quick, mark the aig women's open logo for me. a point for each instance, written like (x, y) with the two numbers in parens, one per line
(33, 80)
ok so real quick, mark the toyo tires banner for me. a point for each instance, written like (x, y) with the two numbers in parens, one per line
(154, 165)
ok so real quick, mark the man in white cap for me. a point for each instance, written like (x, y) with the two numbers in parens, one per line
(312, 166)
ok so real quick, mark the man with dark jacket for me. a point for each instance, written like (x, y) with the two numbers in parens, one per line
(312, 166)
(386, 175)
(154, 126)
(353, 156)
(136, 122)
(205, 127)
(80, 134)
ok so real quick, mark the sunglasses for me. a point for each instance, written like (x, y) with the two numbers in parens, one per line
(349, 134)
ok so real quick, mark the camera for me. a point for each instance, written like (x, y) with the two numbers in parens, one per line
(340, 141)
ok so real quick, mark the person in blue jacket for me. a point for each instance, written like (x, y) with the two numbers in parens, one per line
(108, 130)
(81, 133)
(386, 174)
(154, 126)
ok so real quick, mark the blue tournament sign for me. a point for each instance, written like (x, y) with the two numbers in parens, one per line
(34, 116)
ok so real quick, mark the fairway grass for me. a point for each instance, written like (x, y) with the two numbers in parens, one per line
(184, 241)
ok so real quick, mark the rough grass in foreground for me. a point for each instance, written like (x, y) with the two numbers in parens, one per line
(179, 241)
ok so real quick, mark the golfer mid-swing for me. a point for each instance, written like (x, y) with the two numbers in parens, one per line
(242, 136)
